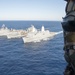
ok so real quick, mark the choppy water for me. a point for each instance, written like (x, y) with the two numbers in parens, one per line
(44, 58)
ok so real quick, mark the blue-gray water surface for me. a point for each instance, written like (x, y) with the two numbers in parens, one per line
(44, 58)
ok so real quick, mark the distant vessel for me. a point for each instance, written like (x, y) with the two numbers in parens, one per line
(20, 33)
(11, 33)
(37, 36)
(16, 34)
(4, 30)
(30, 35)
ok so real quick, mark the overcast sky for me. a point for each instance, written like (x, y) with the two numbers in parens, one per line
(32, 9)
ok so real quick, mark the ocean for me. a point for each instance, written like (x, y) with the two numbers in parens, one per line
(42, 58)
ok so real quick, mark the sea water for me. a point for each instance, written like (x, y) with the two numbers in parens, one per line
(42, 58)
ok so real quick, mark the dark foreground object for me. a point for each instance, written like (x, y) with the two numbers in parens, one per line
(69, 70)
(69, 46)
(69, 26)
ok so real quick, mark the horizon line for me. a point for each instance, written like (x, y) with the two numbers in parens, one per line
(30, 20)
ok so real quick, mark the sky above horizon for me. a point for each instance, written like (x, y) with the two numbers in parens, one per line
(32, 9)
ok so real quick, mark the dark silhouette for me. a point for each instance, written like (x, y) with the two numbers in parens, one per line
(68, 25)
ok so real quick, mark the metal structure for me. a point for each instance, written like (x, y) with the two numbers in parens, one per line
(68, 26)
